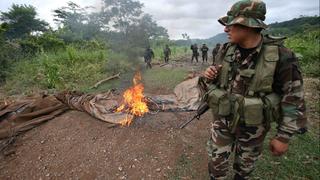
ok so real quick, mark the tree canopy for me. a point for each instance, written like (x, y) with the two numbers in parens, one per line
(21, 21)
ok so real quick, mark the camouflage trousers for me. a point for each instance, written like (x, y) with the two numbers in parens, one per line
(148, 64)
(166, 58)
(194, 56)
(246, 143)
(204, 57)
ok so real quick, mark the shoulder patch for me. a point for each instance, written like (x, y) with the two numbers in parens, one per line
(286, 55)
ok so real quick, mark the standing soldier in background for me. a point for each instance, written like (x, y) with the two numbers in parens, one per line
(148, 55)
(256, 81)
(215, 52)
(167, 53)
(204, 51)
(195, 52)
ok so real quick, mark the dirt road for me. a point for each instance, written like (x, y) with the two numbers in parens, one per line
(78, 146)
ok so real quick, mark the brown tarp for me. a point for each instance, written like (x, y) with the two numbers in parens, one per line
(18, 117)
(100, 106)
(186, 97)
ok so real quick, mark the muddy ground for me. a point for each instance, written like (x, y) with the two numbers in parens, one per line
(77, 146)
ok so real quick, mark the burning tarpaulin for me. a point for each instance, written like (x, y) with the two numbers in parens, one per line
(112, 108)
(134, 102)
(100, 106)
(17, 117)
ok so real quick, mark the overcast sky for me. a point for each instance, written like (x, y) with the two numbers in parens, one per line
(198, 18)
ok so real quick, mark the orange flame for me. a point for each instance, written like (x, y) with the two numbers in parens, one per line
(134, 102)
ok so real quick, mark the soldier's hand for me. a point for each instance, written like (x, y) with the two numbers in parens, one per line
(277, 147)
(212, 72)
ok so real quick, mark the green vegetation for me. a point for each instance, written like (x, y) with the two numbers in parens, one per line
(70, 69)
(294, 26)
(87, 47)
(303, 38)
(307, 46)
(301, 162)
(21, 20)
(176, 52)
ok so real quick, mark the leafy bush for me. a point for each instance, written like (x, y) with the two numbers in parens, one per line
(90, 45)
(72, 69)
(46, 42)
(50, 42)
(306, 46)
(9, 53)
(30, 47)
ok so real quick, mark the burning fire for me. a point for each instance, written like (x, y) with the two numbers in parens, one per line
(133, 101)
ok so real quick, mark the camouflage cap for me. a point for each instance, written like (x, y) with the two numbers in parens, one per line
(250, 13)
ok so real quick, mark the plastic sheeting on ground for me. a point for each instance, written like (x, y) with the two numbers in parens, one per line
(19, 117)
(186, 97)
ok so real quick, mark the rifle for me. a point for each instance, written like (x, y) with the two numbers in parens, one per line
(204, 107)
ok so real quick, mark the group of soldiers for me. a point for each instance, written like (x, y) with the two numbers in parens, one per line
(204, 51)
(149, 54)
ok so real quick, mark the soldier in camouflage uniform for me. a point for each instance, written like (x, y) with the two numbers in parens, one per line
(204, 51)
(148, 55)
(215, 52)
(256, 80)
(167, 53)
(195, 53)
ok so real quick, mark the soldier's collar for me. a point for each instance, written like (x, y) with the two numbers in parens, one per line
(259, 47)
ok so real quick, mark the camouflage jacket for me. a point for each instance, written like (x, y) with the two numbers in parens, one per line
(204, 49)
(288, 83)
(167, 51)
(194, 49)
(148, 54)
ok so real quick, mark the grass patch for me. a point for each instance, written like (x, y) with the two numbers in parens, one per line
(163, 79)
(71, 69)
(176, 52)
(300, 162)
(306, 46)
